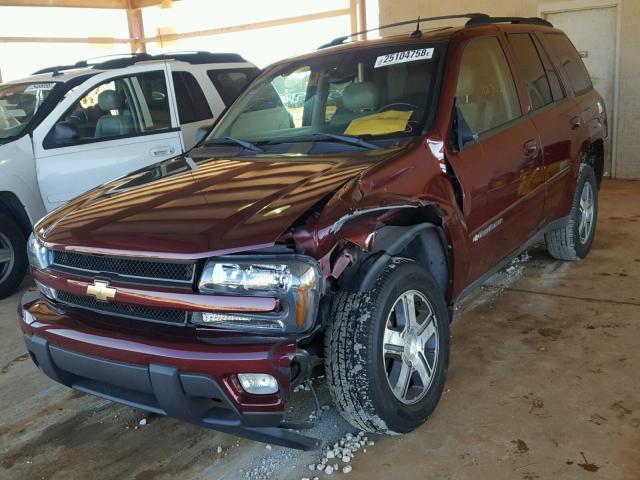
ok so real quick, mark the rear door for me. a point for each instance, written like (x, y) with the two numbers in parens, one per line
(111, 125)
(570, 123)
(553, 114)
(500, 169)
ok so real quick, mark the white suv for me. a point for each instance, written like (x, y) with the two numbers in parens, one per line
(70, 128)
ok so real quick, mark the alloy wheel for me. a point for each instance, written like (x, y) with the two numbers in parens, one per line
(586, 211)
(7, 257)
(410, 347)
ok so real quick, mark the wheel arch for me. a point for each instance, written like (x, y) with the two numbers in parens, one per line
(11, 205)
(425, 243)
(594, 157)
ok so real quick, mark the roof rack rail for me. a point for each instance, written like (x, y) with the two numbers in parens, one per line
(126, 60)
(341, 40)
(59, 68)
(486, 19)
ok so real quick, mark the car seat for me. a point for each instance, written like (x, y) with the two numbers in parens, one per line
(110, 125)
(357, 100)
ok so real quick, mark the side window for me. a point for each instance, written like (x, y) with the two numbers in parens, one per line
(230, 83)
(552, 75)
(486, 93)
(570, 62)
(192, 104)
(532, 70)
(118, 108)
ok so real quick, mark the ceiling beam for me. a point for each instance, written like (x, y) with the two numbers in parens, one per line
(120, 4)
(250, 26)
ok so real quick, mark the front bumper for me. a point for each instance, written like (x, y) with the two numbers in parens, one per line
(186, 378)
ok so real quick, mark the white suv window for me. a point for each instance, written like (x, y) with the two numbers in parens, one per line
(118, 108)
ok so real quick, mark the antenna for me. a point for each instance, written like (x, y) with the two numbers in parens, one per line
(417, 33)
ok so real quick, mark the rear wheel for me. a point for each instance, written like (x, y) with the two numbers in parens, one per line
(13, 256)
(388, 350)
(574, 240)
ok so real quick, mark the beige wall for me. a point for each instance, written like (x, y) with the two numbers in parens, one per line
(627, 119)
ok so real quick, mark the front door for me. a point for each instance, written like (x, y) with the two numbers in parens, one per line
(116, 124)
(500, 170)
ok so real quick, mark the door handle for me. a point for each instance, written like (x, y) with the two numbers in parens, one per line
(530, 148)
(161, 151)
(575, 123)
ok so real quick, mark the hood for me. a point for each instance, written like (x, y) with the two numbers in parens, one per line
(191, 209)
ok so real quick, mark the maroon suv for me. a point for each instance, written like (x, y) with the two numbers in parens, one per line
(335, 215)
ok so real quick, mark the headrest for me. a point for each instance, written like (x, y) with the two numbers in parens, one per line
(109, 100)
(361, 96)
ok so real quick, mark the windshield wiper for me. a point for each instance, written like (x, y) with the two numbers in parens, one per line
(320, 136)
(243, 143)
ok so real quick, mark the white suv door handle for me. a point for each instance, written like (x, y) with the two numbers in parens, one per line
(161, 151)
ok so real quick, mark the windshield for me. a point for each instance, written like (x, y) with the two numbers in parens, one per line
(18, 105)
(381, 95)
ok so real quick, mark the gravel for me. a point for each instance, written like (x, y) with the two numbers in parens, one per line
(339, 443)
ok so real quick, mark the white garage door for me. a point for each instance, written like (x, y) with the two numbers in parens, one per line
(593, 32)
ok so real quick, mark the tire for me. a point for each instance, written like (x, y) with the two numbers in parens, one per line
(13, 255)
(357, 369)
(571, 242)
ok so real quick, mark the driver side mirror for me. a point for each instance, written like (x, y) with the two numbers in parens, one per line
(462, 134)
(201, 133)
(65, 133)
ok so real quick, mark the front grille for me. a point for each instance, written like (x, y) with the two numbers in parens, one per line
(143, 269)
(162, 315)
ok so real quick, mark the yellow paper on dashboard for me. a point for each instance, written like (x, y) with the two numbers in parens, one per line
(380, 123)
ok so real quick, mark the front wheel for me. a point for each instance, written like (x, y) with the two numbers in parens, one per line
(13, 256)
(387, 350)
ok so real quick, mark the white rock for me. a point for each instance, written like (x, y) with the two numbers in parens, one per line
(268, 447)
(331, 454)
(319, 466)
(312, 466)
(347, 469)
(336, 468)
(370, 443)
(328, 470)
(219, 449)
(346, 459)
(142, 422)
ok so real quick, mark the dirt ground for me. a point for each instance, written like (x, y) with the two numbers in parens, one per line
(544, 383)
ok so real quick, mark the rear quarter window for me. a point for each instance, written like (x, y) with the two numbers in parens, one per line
(570, 62)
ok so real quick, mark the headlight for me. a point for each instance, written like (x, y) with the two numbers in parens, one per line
(295, 280)
(39, 256)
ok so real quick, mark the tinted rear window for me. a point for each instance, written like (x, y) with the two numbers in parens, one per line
(231, 82)
(570, 62)
(192, 104)
(532, 70)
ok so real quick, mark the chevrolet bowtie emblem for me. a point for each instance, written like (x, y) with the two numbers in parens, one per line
(101, 291)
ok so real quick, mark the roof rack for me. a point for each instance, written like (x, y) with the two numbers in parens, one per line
(474, 19)
(126, 60)
(341, 40)
(486, 19)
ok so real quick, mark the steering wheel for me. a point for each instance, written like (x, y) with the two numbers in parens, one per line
(406, 106)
